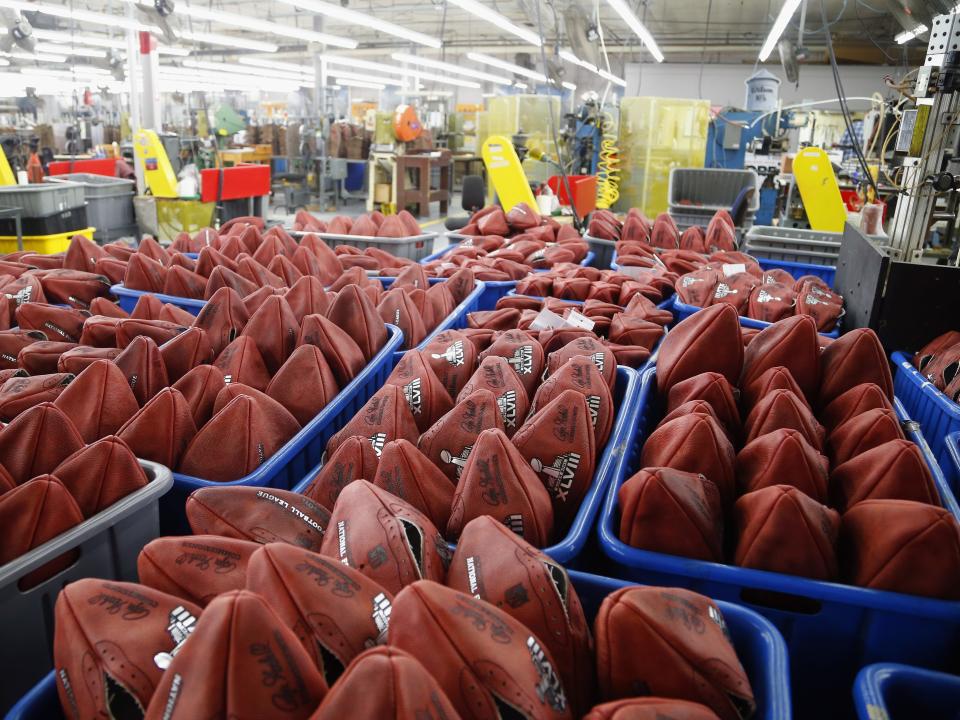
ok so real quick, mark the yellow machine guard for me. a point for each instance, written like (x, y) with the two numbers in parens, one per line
(505, 173)
(818, 188)
(157, 170)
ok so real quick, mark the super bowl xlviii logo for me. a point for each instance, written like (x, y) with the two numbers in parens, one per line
(593, 405)
(687, 281)
(549, 689)
(599, 359)
(723, 290)
(764, 297)
(507, 403)
(559, 475)
(411, 391)
(182, 623)
(381, 618)
(812, 299)
(457, 460)
(378, 440)
(522, 360)
(453, 354)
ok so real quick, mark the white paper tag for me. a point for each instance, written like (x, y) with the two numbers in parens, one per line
(547, 320)
(578, 320)
(733, 269)
(634, 271)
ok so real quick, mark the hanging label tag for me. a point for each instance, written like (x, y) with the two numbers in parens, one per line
(733, 269)
(547, 320)
(578, 320)
(636, 272)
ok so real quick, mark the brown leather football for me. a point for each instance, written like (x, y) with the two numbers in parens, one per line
(162, 429)
(57, 323)
(100, 474)
(695, 444)
(853, 402)
(354, 459)
(650, 708)
(673, 512)
(523, 353)
(558, 442)
(274, 329)
(304, 385)
(580, 373)
(591, 347)
(384, 537)
(341, 352)
(782, 409)
(447, 443)
(901, 546)
(99, 401)
(144, 368)
(716, 390)
(409, 691)
(384, 417)
(196, 567)
(200, 388)
(494, 564)
(112, 642)
(34, 512)
(499, 670)
(497, 375)
(773, 378)
(790, 343)
(397, 308)
(76, 359)
(427, 397)
(689, 653)
(783, 457)
(894, 470)
(453, 358)
(336, 611)
(184, 352)
(237, 639)
(497, 481)
(22, 393)
(861, 433)
(354, 312)
(222, 318)
(783, 530)
(257, 514)
(406, 472)
(855, 357)
(24, 455)
(708, 340)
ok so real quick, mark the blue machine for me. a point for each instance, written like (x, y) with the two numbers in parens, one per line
(729, 135)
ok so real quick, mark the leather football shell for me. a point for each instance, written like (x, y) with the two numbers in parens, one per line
(484, 660)
(709, 340)
(448, 442)
(384, 537)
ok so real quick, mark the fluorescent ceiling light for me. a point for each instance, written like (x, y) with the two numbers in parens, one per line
(611, 77)
(779, 25)
(36, 57)
(264, 26)
(63, 11)
(68, 37)
(227, 40)
(509, 67)
(70, 50)
(908, 35)
(276, 65)
(633, 22)
(359, 77)
(608, 76)
(360, 84)
(4, 62)
(356, 63)
(359, 19)
(243, 71)
(521, 86)
(568, 85)
(489, 95)
(450, 68)
(485, 13)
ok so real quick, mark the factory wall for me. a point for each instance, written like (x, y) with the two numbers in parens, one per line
(723, 84)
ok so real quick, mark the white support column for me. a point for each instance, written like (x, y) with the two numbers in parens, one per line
(150, 67)
(133, 76)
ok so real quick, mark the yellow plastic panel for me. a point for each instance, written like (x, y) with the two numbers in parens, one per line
(157, 170)
(818, 188)
(505, 174)
(656, 135)
(6, 173)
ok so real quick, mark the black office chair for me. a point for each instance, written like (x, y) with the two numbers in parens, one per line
(472, 198)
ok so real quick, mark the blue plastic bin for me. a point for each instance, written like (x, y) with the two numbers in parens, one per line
(827, 273)
(682, 311)
(759, 646)
(128, 299)
(286, 467)
(454, 321)
(890, 691)
(570, 550)
(495, 289)
(832, 630)
(937, 414)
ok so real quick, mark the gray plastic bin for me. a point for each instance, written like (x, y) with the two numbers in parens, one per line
(706, 190)
(814, 247)
(109, 203)
(602, 251)
(41, 200)
(108, 545)
(413, 248)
